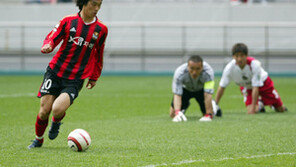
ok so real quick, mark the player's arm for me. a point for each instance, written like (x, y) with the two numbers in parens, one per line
(177, 103)
(255, 94)
(256, 83)
(99, 51)
(177, 89)
(54, 37)
(208, 91)
(208, 103)
(219, 94)
(179, 116)
(224, 82)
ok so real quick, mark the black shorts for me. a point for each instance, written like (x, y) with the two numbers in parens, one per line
(54, 85)
(187, 95)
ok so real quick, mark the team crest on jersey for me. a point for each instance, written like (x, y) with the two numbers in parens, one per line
(95, 36)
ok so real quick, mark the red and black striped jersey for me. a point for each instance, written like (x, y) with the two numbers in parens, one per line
(81, 53)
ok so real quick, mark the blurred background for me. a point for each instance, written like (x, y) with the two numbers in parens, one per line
(156, 36)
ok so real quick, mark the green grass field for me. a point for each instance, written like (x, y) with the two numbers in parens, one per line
(128, 120)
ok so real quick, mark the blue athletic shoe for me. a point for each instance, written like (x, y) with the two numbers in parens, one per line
(36, 143)
(54, 130)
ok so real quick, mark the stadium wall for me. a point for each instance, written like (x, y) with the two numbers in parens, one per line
(171, 11)
(155, 62)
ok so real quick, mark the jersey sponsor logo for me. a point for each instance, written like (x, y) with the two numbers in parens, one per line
(76, 40)
(80, 41)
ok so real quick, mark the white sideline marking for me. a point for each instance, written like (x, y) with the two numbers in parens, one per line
(217, 160)
(19, 95)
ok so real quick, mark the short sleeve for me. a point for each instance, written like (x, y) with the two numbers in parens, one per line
(177, 85)
(225, 79)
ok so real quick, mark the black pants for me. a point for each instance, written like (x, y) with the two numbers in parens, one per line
(187, 95)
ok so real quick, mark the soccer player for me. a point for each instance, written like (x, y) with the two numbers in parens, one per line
(194, 79)
(253, 80)
(79, 57)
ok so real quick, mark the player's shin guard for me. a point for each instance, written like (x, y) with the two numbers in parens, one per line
(40, 127)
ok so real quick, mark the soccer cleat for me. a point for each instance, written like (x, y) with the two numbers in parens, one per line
(262, 110)
(206, 118)
(36, 143)
(261, 107)
(54, 130)
(219, 112)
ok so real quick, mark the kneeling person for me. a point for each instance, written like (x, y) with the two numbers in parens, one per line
(253, 81)
(194, 79)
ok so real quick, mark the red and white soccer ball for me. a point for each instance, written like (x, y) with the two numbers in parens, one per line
(79, 140)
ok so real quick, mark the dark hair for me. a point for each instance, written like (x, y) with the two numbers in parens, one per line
(81, 3)
(195, 58)
(240, 48)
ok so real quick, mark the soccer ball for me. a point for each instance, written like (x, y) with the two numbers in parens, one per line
(79, 140)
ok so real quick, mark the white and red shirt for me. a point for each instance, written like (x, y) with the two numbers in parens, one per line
(252, 75)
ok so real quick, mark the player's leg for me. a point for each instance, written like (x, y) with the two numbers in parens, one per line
(41, 123)
(271, 97)
(62, 103)
(199, 97)
(59, 107)
(48, 93)
(281, 109)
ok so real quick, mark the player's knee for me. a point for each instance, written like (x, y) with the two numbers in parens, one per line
(58, 114)
(43, 113)
(58, 110)
(44, 109)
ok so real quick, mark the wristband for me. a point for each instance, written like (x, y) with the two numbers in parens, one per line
(177, 111)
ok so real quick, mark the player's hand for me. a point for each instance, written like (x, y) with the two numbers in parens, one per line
(46, 48)
(90, 84)
(179, 117)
